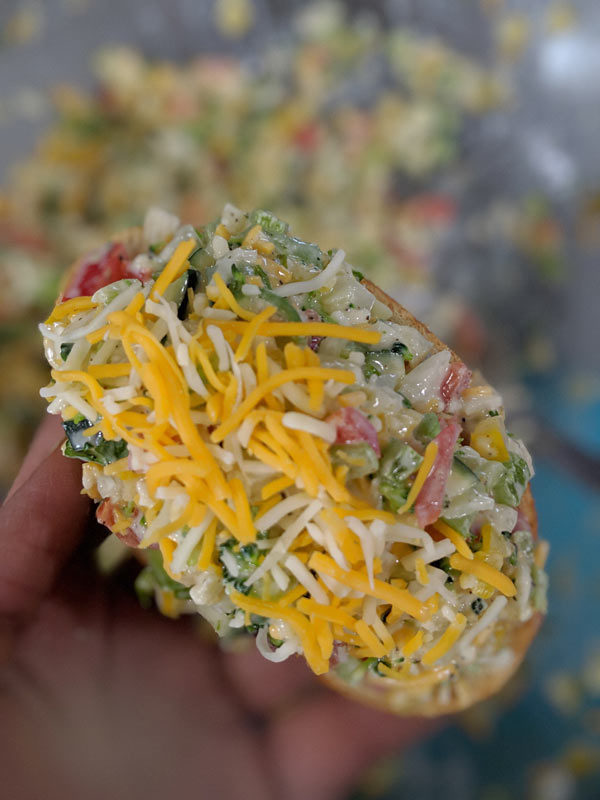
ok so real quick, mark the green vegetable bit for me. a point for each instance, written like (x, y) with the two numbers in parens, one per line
(247, 558)
(282, 304)
(360, 458)
(153, 577)
(237, 281)
(398, 462)
(428, 428)
(65, 350)
(268, 221)
(91, 448)
(511, 485)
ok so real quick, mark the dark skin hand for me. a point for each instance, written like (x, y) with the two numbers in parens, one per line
(99, 698)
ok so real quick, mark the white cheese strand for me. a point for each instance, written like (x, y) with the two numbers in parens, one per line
(72, 332)
(184, 549)
(324, 278)
(303, 422)
(285, 540)
(216, 336)
(440, 550)
(366, 542)
(306, 578)
(281, 653)
(488, 617)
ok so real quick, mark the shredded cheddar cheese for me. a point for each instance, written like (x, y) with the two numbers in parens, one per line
(447, 640)
(70, 307)
(255, 462)
(457, 540)
(485, 573)
(422, 474)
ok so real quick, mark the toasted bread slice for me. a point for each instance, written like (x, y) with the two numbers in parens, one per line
(387, 694)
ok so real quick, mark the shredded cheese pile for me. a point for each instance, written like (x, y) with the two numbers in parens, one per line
(224, 416)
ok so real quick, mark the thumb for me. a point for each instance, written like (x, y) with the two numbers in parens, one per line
(40, 525)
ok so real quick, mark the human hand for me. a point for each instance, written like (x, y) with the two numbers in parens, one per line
(99, 698)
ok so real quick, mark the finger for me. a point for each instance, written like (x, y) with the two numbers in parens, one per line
(40, 526)
(322, 747)
(46, 439)
(263, 687)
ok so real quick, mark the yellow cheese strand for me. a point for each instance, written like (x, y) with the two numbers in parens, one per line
(174, 267)
(207, 547)
(413, 644)
(484, 572)
(275, 486)
(170, 527)
(70, 307)
(422, 475)
(78, 376)
(324, 637)
(262, 374)
(316, 389)
(333, 615)
(399, 598)
(457, 540)
(321, 465)
(96, 336)
(164, 471)
(290, 597)
(247, 531)
(421, 572)
(134, 419)
(266, 438)
(136, 304)
(272, 383)
(202, 356)
(298, 622)
(230, 299)
(262, 453)
(446, 641)
(377, 650)
(170, 392)
(109, 370)
(295, 451)
(329, 329)
(167, 548)
(117, 466)
(293, 356)
(250, 333)
(229, 397)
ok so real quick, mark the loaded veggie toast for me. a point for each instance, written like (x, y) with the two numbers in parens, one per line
(296, 458)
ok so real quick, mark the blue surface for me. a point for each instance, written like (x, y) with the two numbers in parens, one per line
(460, 764)
(576, 417)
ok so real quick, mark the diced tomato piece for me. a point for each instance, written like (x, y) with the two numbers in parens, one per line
(352, 426)
(455, 382)
(93, 274)
(105, 514)
(428, 505)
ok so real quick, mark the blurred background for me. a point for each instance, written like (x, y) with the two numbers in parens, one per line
(452, 149)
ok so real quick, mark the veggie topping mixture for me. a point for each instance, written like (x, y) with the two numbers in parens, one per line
(292, 461)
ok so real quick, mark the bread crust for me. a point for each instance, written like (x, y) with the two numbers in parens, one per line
(383, 694)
